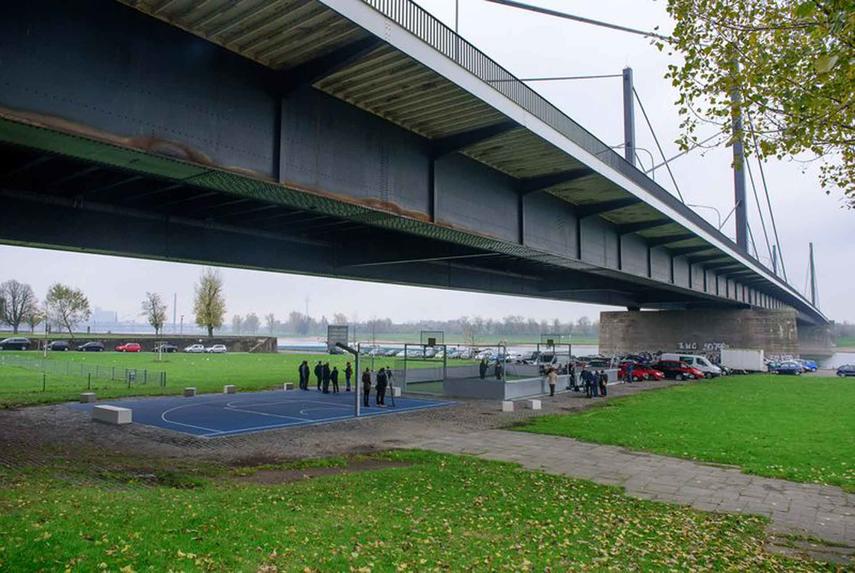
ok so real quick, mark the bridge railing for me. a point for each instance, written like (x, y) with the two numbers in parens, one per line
(429, 29)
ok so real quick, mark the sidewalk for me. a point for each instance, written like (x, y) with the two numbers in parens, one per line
(823, 512)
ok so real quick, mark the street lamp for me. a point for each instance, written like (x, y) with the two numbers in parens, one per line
(717, 212)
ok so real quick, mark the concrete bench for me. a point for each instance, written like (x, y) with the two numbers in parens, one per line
(535, 405)
(396, 391)
(112, 415)
(288, 386)
(87, 397)
(229, 389)
(507, 406)
(189, 392)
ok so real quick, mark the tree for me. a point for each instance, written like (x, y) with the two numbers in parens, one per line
(19, 301)
(237, 324)
(67, 307)
(154, 309)
(34, 317)
(250, 323)
(210, 304)
(270, 321)
(339, 318)
(790, 61)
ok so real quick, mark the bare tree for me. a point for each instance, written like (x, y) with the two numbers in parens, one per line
(250, 323)
(210, 304)
(339, 318)
(19, 300)
(270, 321)
(154, 309)
(237, 324)
(67, 307)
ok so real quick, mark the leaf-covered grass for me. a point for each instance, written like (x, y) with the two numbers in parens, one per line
(795, 428)
(440, 513)
(207, 372)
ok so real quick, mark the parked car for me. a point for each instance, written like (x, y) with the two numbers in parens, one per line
(640, 372)
(807, 365)
(678, 370)
(700, 362)
(129, 347)
(195, 348)
(165, 347)
(846, 370)
(61, 345)
(15, 343)
(91, 347)
(217, 349)
(790, 367)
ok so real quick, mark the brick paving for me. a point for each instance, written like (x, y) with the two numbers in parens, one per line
(806, 510)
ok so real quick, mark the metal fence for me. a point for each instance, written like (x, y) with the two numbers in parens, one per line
(89, 373)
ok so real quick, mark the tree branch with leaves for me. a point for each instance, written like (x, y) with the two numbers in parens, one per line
(794, 72)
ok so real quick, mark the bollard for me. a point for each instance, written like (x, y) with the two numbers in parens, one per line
(89, 384)
(189, 392)
(229, 389)
(44, 382)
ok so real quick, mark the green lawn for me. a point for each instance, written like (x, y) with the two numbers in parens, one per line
(801, 429)
(64, 379)
(207, 372)
(845, 341)
(438, 513)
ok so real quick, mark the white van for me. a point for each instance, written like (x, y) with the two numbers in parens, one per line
(710, 370)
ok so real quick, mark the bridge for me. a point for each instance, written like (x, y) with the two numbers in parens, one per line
(359, 139)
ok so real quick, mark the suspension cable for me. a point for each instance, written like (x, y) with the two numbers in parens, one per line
(757, 202)
(557, 78)
(656, 139)
(566, 16)
(684, 152)
(766, 190)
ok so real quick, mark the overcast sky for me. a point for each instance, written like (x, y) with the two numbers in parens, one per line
(529, 45)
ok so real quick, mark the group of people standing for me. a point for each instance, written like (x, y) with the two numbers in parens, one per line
(498, 369)
(594, 382)
(327, 380)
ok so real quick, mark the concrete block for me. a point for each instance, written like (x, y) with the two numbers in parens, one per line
(507, 406)
(229, 389)
(87, 397)
(112, 414)
(288, 386)
(396, 391)
(535, 404)
(189, 392)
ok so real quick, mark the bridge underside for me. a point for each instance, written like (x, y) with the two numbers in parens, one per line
(286, 136)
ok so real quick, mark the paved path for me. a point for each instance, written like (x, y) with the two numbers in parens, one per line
(824, 512)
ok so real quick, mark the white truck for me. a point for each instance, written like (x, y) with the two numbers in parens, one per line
(743, 360)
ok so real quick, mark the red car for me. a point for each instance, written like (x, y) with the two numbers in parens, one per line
(640, 372)
(678, 370)
(129, 347)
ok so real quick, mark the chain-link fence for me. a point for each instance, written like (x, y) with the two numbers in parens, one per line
(67, 370)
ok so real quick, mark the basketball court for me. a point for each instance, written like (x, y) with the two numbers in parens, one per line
(218, 415)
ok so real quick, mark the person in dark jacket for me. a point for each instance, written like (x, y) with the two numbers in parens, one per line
(334, 379)
(348, 374)
(380, 387)
(325, 376)
(595, 383)
(366, 388)
(303, 370)
(586, 382)
(482, 368)
(604, 380)
(319, 373)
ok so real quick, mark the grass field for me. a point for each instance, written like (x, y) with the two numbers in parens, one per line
(431, 513)
(801, 429)
(207, 372)
(845, 341)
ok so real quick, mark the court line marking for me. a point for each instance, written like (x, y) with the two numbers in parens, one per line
(165, 412)
(263, 413)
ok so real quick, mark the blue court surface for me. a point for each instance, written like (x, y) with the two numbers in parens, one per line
(216, 415)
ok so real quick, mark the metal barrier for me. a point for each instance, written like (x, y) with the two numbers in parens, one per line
(69, 369)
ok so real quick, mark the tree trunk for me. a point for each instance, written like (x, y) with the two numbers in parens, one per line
(210, 331)
(14, 329)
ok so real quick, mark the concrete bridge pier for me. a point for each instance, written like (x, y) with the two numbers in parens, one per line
(699, 331)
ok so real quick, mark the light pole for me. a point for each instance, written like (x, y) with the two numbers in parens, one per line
(717, 212)
(182, 325)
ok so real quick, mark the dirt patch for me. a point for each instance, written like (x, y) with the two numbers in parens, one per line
(274, 477)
